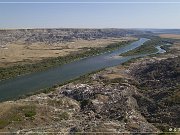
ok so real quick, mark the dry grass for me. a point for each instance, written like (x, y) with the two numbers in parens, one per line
(176, 46)
(173, 36)
(115, 72)
(5, 107)
(22, 53)
(17, 115)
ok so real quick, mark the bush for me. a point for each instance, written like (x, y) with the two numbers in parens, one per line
(64, 116)
(29, 111)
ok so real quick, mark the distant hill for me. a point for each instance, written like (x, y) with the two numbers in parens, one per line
(166, 31)
(50, 36)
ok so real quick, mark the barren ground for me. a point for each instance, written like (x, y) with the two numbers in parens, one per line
(173, 36)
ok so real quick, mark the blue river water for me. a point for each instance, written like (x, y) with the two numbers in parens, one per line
(22, 85)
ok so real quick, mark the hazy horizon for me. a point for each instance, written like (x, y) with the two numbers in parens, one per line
(89, 28)
(136, 15)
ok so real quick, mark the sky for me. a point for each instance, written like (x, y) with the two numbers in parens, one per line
(143, 14)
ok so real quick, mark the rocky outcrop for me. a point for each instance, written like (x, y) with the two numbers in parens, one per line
(158, 83)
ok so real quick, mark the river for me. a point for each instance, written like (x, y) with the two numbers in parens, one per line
(22, 85)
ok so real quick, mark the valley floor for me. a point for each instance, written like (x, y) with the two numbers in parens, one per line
(22, 53)
(138, 96)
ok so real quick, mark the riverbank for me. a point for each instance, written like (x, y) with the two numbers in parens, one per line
(149, 47)
(13, 88)
(84, 77)
(11, 72)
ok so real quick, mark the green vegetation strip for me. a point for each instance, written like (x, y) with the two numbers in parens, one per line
(10, 72)
(147, 48)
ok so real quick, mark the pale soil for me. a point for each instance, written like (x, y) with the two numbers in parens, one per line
(173, 36)
(21, 53)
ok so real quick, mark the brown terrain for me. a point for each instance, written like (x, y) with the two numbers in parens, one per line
(138, 96)
(173, 36)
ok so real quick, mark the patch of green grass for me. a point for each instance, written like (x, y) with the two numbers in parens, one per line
(28, 111)
(12, 115)
(146, 48)
(17, 114)
(64, 116)
(9, 119)
(3, 123)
